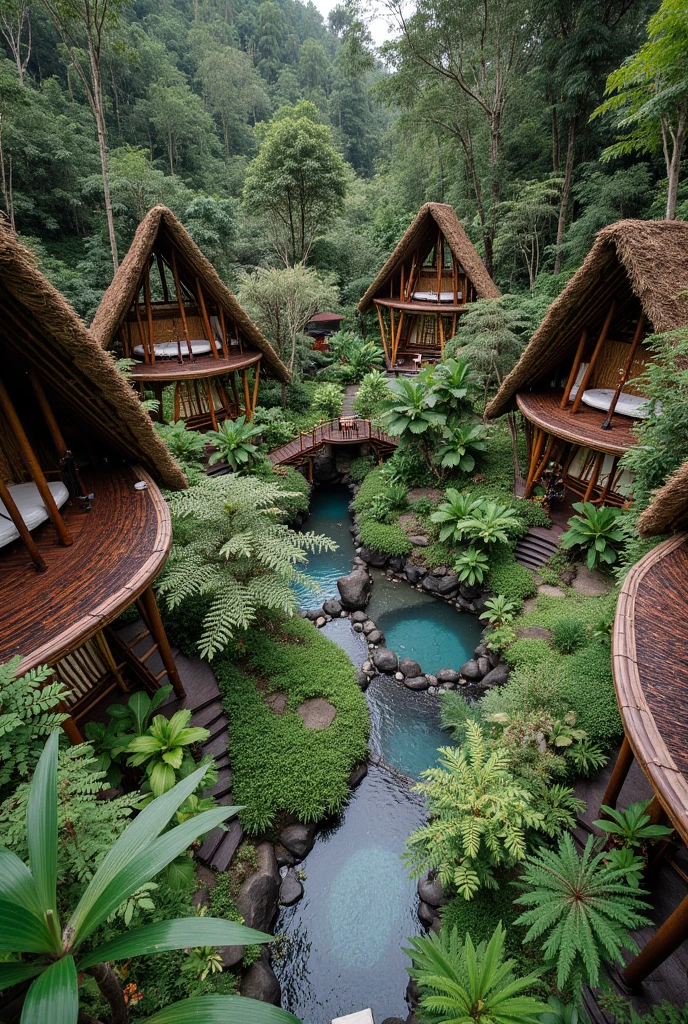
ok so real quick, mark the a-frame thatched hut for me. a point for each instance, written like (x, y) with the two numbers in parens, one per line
(84, 529)
(182, 325)
(430, 279)
(576, 383)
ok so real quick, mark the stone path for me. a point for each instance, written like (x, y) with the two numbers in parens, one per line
(350, 393)
(316, 713)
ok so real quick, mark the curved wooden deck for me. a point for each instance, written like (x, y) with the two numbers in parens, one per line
(119, 547)
(582, 428)
(307, 444)
(422, 305)
(650, 662)
(166, 371)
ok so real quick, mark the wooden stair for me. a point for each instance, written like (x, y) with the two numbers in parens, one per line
(537, 546)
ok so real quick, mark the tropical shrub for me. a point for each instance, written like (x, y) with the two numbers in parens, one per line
(356, 357)
(110, 740)
(387, 538)
(471, 566)
(454, 514)
(459, 445)
(583, 907)
(453, 381)
(374, 390)
(595, 530)
(460, 982)
(561, 1013)
(275, 429)
(140, 853)
(631, 829)
(491, 523)
(479, 817)
(232, 444)
(480, 916)
(410, 411)
(328, 400)
(569, 635)
(164, 749)
(499, 610)
(409, 465)
(360, 467)
(187, 446)
(239, 557)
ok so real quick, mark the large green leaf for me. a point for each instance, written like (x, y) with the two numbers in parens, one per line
(24, 932)
(178, 934)
(13, 973)
(148, 862)
(220, 1010)
(41, 824)
(53, 996)
(142, 831)
(17, 884)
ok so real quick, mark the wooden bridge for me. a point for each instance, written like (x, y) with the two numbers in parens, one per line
(348, 430)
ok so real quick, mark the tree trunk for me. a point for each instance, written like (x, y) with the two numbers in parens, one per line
(111, 990)
(555, 141)
(674, 165)
(565, 193)
(102, 147)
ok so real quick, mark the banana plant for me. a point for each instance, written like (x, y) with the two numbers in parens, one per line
(165, 748)
(53, 955)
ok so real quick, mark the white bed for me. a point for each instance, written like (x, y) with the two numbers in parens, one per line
(31, 508)
(170, 349)
(635, 406)
(432, 296)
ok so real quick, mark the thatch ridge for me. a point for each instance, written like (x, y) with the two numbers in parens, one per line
(668, 510)
(88, 381)
(654, 256)
(120, 295)
(460, 244)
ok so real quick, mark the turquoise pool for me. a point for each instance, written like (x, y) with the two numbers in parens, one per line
(329, 514)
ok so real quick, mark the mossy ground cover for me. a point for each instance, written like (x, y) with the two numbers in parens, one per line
(277, 763)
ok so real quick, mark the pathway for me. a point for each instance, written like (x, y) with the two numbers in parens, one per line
(355, 431)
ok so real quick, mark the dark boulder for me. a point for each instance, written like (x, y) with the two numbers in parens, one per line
(481, 651)
(409, 668)
(358, 775)
(496, 676)
(463, 604)
(359, 616)
(396, 562)
(414, 573)
(260, 982)
(448, 584)
(375, 637)
(363, 679)
(416, 683)
(426, 913)
(298, 839)
(313, 614)
(484, 665)
(283, 857)
(469, 670)
(369, 626)
(257, 900)
(332, 607)
(374, 558)
(231, 955)
(291, 889)
(430, 890)
(431, 584)
(354, 590)
(469, 592)
(447, 675)
(385, 660)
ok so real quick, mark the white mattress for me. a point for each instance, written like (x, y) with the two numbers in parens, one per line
(432, 296)
(170, 349)
(31, 508)
(628, 405)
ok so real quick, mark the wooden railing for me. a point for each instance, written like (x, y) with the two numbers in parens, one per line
(343, 430)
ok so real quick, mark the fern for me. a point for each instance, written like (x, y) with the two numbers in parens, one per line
(584, 908)
(237, 555)
(27, 717)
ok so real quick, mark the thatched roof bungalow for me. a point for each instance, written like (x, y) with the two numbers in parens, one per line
(168, 309)
(576, 383)
(84, 528)
(432, 276)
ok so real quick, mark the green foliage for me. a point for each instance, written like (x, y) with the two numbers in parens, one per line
(583, 907)
(385, 508)
(459, 445)
(374, 390)
(373, 484)
(110, 740)
(508, 577)
(461, 982)
(187, 446)
(454, 513)
(595, 530)
(632, 828)
(356, 360)
(164, 749)
(136, 856)
(360, 468)
(387, 538)
(499, 611)
(480, 916)
(275, 428)
(480, 816)
(232, 444)
(239, 557)
(277, 763)
(528, 651)
(471, 566)
(453, 381)
(328, 400)
(27, 716)
(569, 635)
(410, 411)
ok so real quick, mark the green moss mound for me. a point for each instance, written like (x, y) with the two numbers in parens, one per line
(277, 763)
(387, 538)
(506, 576)
(480, 916)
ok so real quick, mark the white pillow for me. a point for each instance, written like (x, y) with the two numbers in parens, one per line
(31, 508)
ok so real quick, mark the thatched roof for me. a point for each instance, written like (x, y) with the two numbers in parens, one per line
(42, 332)
(643, 263)
(669, 508)
(422, 228)
(120, 295)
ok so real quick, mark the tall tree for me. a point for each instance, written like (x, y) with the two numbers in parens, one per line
(15, 25)
(649, 95)
(83, 26)
(233, 88)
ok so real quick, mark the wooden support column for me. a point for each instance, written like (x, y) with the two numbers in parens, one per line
(440, 326)
(574, 369)
(70, 727)
(610, 479)
(235, 392)
(540, 468)
(223, 328)
(21, 527)
(48, 415)
(247, 397)
(392, 343)
(607, 425)
(104, 648)
(256, 380)
(382, 331)
(206, 319)
(143, 337)
(455, 280)
(152, 618)
(538, 441)
(593, 359)
(310, 471)
(663, 943)
(180, 304)
(439, 259)
(163, 279)
(211, 403)
(33, 467)
(619, 774)
(398, 338)
(592, 484)
(149, 312)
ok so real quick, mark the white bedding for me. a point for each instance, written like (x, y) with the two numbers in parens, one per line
(432, 296)
(170, 349)
(628, 405)
(31, 508)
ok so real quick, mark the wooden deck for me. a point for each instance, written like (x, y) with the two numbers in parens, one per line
(583, 428)
(307, 444)
(164, 371)
(650, 662)
(119, 546)
(422, 306)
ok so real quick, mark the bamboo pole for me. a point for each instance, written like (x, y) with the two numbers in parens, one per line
(663, 943)
(255, 384)
(607, 425)
(163, 279)
(142, 336)
(151, 616)
(104, 648)
(610, 480)
(235, 393)
(455, 279)
(574, 369)
(382, 331)
(543, 461)
(538, 441)
(223, 328)
(149, 311)
(593, 359)
(594, 476)
(211, 403)
(180, 303)
(33, 466)
(400, 324)
(21, 527)
(48, 415)
(440, 326)
(619, 774)
(392, 336)
(439, 260)
(206, 319)
(247, 397)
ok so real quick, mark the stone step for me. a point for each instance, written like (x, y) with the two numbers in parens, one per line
(223, 784)
(206, 717)
(224, 852)
(217, 745)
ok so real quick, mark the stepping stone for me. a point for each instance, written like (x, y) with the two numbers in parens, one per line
(591, 582)
(316, 713)
(550, 591)
(277, 701)
(535, 632)
(529, 605)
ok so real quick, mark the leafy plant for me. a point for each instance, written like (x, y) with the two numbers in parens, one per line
(387, 538)
(560, 1013)
(360, 467)
(385, 507)
(603, 631)
(187, 446)
(232, 443)
(374, 390)
(110, 740)
(499, 610)
(471, 566)
(633, 828)
(453, 381)
(569, 635)
(460, 982)
(491, 523)
(165, 749)
(32, 923)
(328, 400)
(275, 429)
(356, 356)
(479, 817)
(583, 907)
(454, 513)
(410, 411)
(597, 531)
(459, 446)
